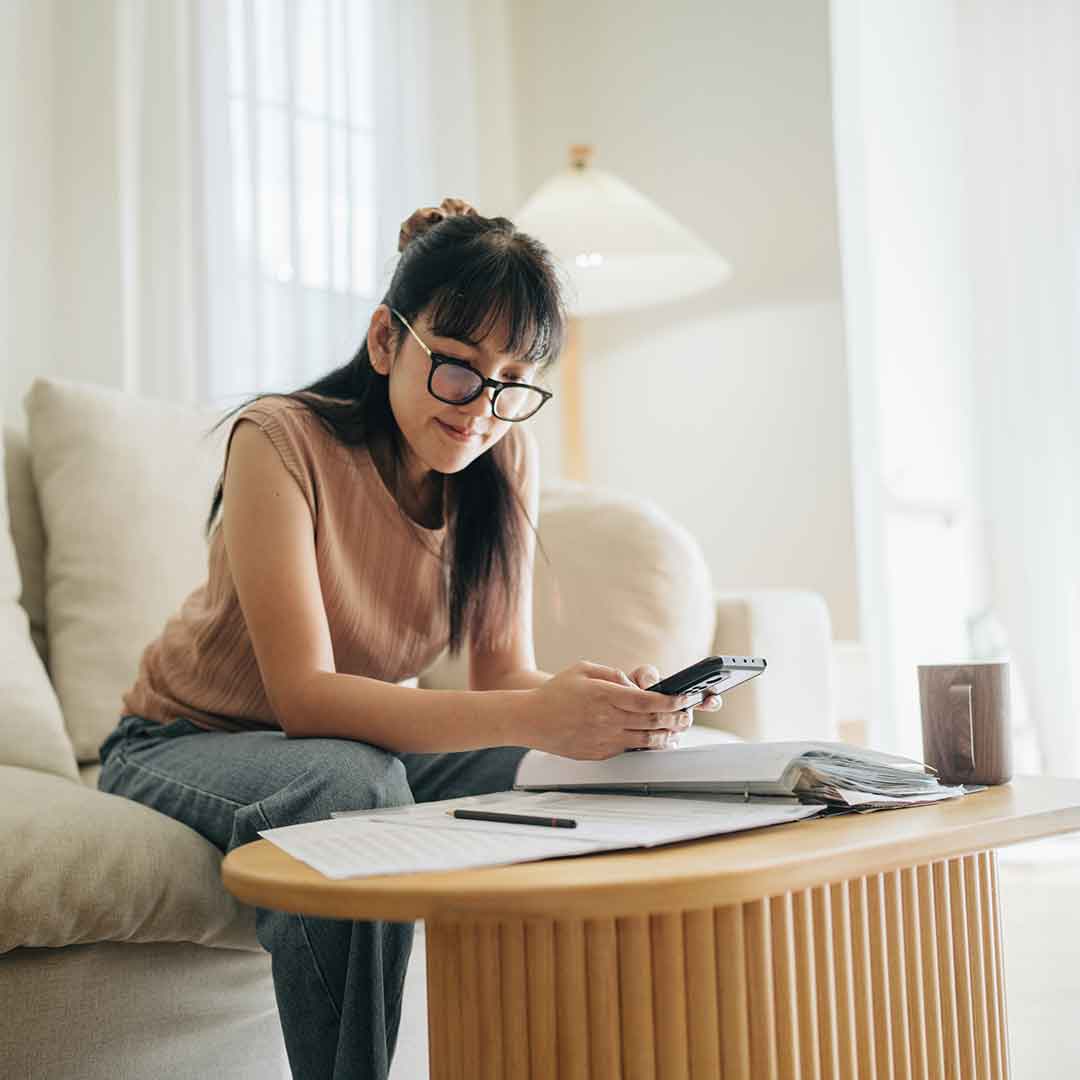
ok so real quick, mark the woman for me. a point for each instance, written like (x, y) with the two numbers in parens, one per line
(366, 522)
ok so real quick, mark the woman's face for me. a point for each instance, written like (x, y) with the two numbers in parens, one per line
(440, 437)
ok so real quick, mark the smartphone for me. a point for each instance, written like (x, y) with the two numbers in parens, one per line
(713, 673)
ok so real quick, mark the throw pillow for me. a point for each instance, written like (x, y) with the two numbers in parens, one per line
(28, 533)
(125, 486)
(31, 725)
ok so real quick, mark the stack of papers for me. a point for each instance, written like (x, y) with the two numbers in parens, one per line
(837, 777)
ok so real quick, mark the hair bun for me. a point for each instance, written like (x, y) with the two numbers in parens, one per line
(420, 221)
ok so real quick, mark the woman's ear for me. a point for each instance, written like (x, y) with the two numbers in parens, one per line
(381, 339)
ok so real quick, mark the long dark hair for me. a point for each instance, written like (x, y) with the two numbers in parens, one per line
(469, 273)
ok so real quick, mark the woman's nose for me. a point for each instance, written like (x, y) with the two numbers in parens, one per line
(481, 405)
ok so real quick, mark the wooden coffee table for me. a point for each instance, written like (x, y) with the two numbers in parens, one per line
(853, 947)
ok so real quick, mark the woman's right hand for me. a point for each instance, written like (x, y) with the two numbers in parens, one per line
(591, 712)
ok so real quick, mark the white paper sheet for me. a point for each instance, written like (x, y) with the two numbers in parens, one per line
(410, 839)
(631, 820)
(355, 847)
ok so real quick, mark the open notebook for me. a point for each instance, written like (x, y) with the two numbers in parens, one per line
(833, 773)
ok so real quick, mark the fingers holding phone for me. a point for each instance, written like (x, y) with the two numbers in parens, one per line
(591, 711)
(667, 725)
(709, 678)
(712, 701)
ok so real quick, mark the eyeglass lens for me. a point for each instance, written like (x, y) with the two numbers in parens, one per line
(456, 384)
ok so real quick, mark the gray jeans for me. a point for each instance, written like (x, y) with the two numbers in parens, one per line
(338, 984)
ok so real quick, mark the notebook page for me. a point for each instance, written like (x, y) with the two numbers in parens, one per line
(351, 847)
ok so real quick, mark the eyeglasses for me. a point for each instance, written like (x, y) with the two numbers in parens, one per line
(457, 382)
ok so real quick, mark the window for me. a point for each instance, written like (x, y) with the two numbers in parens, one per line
(302, 131)
(293, 203)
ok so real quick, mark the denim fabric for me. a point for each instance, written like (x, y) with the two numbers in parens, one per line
(338, 984)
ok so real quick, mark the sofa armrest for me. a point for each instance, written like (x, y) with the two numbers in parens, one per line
(793, 699)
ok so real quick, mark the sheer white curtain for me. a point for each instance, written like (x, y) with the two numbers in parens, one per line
(105, 230)
(159, 225)
(326, 123)
(1019, 72)
(958, 166)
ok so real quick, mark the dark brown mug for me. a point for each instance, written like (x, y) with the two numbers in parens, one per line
(965, 721)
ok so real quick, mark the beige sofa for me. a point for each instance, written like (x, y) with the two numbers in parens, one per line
(120, 953)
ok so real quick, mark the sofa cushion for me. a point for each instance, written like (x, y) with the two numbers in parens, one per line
(31, 725)
(626, 586)
(79, 865)
(125, 486)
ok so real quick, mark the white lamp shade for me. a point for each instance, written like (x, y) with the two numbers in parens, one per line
(618, 249)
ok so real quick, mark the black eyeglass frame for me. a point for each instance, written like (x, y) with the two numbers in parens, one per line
(437, 360)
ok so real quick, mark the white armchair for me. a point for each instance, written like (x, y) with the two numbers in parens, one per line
(791, 629)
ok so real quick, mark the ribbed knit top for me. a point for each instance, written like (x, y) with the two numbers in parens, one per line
(382, 577)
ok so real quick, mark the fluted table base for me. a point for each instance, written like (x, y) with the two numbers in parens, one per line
(895, 975)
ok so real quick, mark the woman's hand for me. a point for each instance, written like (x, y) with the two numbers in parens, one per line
(591, 712)
(419, 221)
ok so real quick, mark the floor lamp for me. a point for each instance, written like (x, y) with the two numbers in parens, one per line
(619, 251)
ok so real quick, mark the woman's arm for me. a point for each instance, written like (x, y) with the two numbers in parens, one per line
(520, 679)
(407, 719)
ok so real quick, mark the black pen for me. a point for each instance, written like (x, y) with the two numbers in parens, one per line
(514, 819)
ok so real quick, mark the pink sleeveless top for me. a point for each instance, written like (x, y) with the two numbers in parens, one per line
(382, 577)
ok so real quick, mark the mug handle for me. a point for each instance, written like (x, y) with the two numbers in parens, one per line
(962, 720)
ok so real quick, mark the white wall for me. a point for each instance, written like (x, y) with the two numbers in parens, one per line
(729, 410)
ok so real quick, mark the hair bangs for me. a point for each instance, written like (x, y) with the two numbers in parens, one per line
(501, 290)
